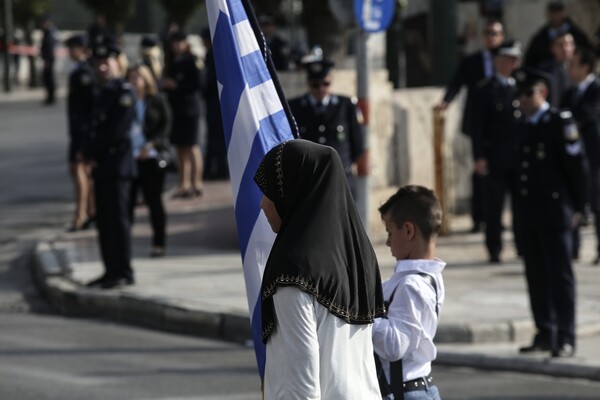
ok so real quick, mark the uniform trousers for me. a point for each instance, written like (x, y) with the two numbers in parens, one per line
(549, 274)
(114, 228)
(478, 199)
(499, 182)
(151, 180)
(49, 82)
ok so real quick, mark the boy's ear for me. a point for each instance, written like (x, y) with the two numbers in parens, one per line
(409, 230)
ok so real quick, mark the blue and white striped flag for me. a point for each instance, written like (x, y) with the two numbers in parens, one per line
(254, 121)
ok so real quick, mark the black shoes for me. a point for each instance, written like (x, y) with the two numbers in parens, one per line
(157, 252)
(535, 348)
(495, 258)
(105, 282)
(564, 351)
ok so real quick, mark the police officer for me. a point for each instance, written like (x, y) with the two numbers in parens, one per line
(327, 118)
(472, 70)
(79, 112)
(551, 196)
(494, 134)
(110, 150)
(47, 50)
(279, 47)
(583, 99)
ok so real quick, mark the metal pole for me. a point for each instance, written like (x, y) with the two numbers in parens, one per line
(362, 92)
(8, 32)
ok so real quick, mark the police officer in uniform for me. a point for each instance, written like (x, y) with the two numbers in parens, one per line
(79, 112)
(48, 47)
(551, 196)
(494, 134)
(110, 150)
(327, 118)
(583, 99)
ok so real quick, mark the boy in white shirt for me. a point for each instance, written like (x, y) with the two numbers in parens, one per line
(414, 294)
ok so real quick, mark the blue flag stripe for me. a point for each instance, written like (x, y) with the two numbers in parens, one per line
(254, 120)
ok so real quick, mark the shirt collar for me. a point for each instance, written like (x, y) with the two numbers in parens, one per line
(313, 101)
(583, 85)
(535, 118)
(431, 266)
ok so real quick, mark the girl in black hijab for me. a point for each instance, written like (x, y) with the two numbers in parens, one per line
(321, 286)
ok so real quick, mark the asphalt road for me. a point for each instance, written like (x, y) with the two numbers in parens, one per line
(45, 356)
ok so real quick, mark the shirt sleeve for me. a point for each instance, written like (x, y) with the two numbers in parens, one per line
(402, 330)
(297, 342)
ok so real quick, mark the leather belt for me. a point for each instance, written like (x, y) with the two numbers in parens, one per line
(418, 384)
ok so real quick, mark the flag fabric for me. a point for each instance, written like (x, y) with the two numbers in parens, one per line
(255, 119)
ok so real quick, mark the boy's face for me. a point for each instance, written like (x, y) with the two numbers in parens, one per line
(398, 238)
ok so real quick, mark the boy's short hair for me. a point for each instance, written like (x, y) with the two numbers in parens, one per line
(415, 204)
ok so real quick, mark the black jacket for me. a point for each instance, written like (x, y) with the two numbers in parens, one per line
(110, 142)
(586, 112)
(552, 173)
(337, 126)
(539, 46)
(184, 99)
(80, 102)
(471, 70)
(496, 117)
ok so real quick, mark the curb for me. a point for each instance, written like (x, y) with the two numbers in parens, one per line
(563, 368)
(71, 299)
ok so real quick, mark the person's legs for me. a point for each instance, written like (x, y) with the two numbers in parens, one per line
(495, 194)
(151, 178)
(79, 177)
(185, 168)
(196, 170)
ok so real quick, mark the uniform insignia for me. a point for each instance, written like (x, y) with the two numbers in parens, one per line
(516, 103)
(573, 149)
(566, 114)
(571, 133)
(517, 114)
(541, 154)
(125, 100)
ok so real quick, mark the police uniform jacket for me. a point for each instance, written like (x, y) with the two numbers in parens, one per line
(48, 44)
(79, 103)
(110, 144)
(552, 174)
(184, 98)
(586, 112)
(470, 72)
(337, 126)
(496, 117)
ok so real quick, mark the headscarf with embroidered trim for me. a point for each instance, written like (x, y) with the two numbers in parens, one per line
(321, 247)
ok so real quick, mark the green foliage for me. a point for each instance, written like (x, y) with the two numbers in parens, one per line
(117, 12)
(180, 11)
(25, 11)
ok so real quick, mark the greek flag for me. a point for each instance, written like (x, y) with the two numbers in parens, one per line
(255, 119)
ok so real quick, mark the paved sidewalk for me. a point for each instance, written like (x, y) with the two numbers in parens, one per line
(198, 288)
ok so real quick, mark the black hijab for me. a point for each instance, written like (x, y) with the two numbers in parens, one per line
(321, 246)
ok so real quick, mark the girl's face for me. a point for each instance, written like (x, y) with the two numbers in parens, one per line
(271, 213)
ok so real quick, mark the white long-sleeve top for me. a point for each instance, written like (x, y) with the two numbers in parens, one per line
(314, 355)
(412, 321)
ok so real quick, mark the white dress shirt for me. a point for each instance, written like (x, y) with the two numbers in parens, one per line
(412, 321)
(313, 355)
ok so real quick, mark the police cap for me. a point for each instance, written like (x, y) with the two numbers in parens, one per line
(528, 77)
(318, 69)
(148, 41)
(510, 48)
(178, 36)
(555, 6)
(76, 41)
(105, 49)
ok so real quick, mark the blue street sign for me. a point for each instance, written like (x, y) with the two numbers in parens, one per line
(374, 15)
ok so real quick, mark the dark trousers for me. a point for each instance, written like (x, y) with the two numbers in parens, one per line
(151, 179)
(551, 283)
(594, 200)
(478, 199)
(215, 161)
(114, 229)
(49, 82)
(499, 183)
